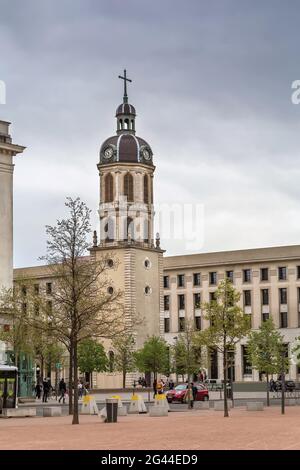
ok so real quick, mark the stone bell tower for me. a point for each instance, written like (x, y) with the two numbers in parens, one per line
(7, 151)
(126, 215)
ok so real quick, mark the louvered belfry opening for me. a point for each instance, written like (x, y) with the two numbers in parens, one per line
(109, 188)
(128, 187)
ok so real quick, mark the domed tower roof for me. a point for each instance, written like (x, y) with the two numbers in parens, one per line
(125, 146)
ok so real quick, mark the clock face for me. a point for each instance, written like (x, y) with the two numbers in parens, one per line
(146, 154)
(108, 152)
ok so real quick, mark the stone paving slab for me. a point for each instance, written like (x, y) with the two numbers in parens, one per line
(197, 430)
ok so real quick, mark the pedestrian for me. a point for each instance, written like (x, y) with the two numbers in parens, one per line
(38, 389)
(272, 385)
(154, 387)
(195, 391)
(201, 377)
(171, 385)
(80, 390)
(62, 390)
(160, 387)
(189, 398)
(45, 390)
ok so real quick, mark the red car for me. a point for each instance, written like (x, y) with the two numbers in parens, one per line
(178, 394)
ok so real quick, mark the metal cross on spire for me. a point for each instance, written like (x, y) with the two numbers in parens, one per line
(125, 98)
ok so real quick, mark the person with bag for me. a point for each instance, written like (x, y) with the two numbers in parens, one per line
(62, 390)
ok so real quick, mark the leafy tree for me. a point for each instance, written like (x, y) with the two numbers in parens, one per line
(228, 325)
(124, 355)
(265, 349)
(186, 354)
(91, 356)
(153, 356)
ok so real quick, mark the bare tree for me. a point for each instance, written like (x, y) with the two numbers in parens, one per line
(82, 305)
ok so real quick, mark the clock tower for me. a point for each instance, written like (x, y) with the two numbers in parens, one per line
(126, 215)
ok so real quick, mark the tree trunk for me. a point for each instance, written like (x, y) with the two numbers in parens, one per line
(124, 378)
(42, 369)
(75, 376)
(71, 380)
(225, 381)
(268, 391)
(189, 391)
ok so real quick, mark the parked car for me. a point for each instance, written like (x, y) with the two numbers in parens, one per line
(289, 385)
(178, 394)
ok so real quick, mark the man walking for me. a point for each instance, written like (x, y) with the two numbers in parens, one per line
(46, 390)
(62, 390)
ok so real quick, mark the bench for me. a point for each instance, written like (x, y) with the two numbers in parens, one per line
(18, 412)
(201, 405)
(219, 405)
(158, 411)
(255, 406)
(51, 411)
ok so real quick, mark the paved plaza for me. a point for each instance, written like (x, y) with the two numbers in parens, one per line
(197, 430)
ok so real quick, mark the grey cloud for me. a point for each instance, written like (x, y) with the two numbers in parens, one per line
(211, 84)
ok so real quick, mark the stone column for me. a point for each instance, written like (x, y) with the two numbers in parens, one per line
(7, 152)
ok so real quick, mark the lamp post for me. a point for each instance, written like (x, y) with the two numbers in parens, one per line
(175, 339)
(283, 382)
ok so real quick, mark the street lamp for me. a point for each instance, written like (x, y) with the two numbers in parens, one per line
(175, 339)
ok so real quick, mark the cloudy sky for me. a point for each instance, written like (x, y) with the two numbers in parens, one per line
(212, 87)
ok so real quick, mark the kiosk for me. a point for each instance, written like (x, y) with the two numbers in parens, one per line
(8, 386)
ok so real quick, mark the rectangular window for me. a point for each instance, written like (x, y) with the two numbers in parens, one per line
(282, 273)
(247, 275)
(283, 320)
(264, 274)
(198, 323)
(265, 316)
(212, 296)
(265, 296)
(36, 309)
(197, 279)
(166, 302)
(247, 367)
(213, 278)
(283, 296)
(229, 275)
(48, 288)
(247, 298)
(36, 289)
(24, 291)
(166, 282)
(181, 324)
(167, 325)
(298, 272)
(180, 280)
(181, 301)
(197, 300)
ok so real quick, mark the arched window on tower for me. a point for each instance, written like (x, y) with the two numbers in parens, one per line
(128, 187)
(146, 231)
(132, 124)
(146, 189)
(109, 188)
(109, 230)
(120, 124)
(126, 124)
(130, 229)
